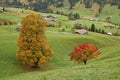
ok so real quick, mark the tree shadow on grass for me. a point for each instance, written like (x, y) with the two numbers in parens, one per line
(42, 67)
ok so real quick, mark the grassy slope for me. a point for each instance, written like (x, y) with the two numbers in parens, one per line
(8, 63)
(13, 14)
(70, 23)
(91, 12)
(106, 67)
(111, 11)
(10, 16)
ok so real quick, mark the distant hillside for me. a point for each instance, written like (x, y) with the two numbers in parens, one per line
(105, 67)
(87, 8)
(43, 5)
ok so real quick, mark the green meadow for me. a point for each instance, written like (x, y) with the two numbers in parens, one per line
(105, 67)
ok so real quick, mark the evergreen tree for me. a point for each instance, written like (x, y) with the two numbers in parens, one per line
(99, 31)
(119, 5)
(77, 16)
(96, 30)
(88, 3)
(103, 32)
(93, 28)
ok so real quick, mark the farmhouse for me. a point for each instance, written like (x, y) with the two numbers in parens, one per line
(92, 19)
(81, 31)
(109, 33)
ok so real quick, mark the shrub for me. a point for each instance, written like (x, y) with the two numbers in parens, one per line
(33, 47)
(84, 52)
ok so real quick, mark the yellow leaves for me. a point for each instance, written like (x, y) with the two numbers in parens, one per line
(32, 43)
(38, 54)
(96, 54)
(48, 58)
(20, 53)
(34, 40)
(42, 60)
(28, 53)
(34, 19)
(31, 61)
(47, 54)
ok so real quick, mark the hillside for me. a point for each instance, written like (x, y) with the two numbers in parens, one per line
(103, 68)
(106, 67)
(85, 8)
(43, 5)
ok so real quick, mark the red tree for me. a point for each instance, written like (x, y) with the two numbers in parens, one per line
(84, 52)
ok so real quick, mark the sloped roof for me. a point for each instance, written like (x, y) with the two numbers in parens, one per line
(81, 31)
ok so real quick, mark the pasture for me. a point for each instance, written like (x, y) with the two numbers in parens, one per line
(105, 67)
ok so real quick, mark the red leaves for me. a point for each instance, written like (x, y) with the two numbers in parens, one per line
(84, 52)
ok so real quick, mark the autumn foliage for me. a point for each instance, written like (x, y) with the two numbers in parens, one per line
(84, 52)
(33, 48)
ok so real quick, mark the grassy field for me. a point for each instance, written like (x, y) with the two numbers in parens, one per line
(70, 23)
(91, 12)
(111, 11)
(105, 67)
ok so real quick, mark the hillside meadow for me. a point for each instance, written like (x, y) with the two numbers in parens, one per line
(105, 67)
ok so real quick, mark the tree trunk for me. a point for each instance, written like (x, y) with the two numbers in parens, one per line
(35, 65)
(85, 62)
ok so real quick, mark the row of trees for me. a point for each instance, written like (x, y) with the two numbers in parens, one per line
(72, 3)
(43, 5)
(14, 3)
(94, 29)
(73, 16)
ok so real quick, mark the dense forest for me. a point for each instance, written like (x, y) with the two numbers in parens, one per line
(43, 5)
